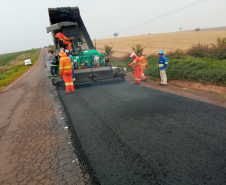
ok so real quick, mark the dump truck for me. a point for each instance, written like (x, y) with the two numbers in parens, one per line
(90, 66)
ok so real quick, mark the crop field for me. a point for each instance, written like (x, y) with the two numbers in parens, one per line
(12, 65)
(167, 41)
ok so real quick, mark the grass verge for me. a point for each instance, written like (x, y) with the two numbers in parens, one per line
(12, 65)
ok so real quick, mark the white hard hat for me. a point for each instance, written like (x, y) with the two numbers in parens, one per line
(132, 54)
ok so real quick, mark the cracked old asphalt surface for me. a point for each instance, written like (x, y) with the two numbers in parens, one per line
(34, 144)
(137, 135)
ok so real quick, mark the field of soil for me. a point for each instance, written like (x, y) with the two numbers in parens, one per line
(167, 41)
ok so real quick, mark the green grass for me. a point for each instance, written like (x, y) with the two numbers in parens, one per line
(6, 58)
(10, 71)
(223, 95)
(188, 68)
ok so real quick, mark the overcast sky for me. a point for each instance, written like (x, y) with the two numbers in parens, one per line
(24, 22)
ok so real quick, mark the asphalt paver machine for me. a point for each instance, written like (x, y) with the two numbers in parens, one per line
(91, 67)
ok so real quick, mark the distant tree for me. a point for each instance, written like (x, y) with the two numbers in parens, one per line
(221, 41)
(138, 48)
(108, 50)
(180, 28)
(115, 35)
(197, 29)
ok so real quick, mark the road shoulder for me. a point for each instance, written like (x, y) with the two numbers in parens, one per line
(200, 95)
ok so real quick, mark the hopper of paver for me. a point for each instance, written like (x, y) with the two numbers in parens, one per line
(90, 66)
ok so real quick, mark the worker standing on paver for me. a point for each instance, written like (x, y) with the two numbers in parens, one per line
(70, 56)
(144, 65)
(66, 71)
(137, 67)
(53, 69)
(163, 62)
(65, 40)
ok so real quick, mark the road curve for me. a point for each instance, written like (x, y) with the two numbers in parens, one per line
(137, 135)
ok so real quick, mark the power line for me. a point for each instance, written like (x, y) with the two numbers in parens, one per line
(161, 16)
(169, 13)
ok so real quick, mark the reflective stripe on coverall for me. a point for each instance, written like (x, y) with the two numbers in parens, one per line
(66, 71)
(64, 39)
(144, 63)
(137, 69)
(53, 70)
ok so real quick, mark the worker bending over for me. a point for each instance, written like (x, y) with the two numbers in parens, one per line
(70, 56)
(65, 40)
(66, 71)
(144, 65)
(53, 69)
(137, 67)
(163, 62)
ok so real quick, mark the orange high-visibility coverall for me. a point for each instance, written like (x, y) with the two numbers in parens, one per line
(66, 71)
(137, 69)
(144, 64)
(64, 39)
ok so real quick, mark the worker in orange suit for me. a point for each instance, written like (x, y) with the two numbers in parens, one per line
(144, 65)
(65, 40)
(66, 71)
(137, 67)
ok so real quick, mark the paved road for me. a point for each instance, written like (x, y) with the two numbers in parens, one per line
(137, 135)
(34, 145)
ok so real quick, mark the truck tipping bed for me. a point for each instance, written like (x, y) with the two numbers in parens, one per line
(71, 14)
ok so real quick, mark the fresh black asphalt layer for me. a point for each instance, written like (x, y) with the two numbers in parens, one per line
(136, 135)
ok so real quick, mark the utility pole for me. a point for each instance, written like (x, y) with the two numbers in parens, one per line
(95, 44)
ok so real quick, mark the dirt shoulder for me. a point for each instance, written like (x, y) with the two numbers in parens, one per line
(190, 90)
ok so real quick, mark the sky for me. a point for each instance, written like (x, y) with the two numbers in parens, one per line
(24, 22)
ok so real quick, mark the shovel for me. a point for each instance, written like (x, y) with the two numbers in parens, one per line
(131, 68)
